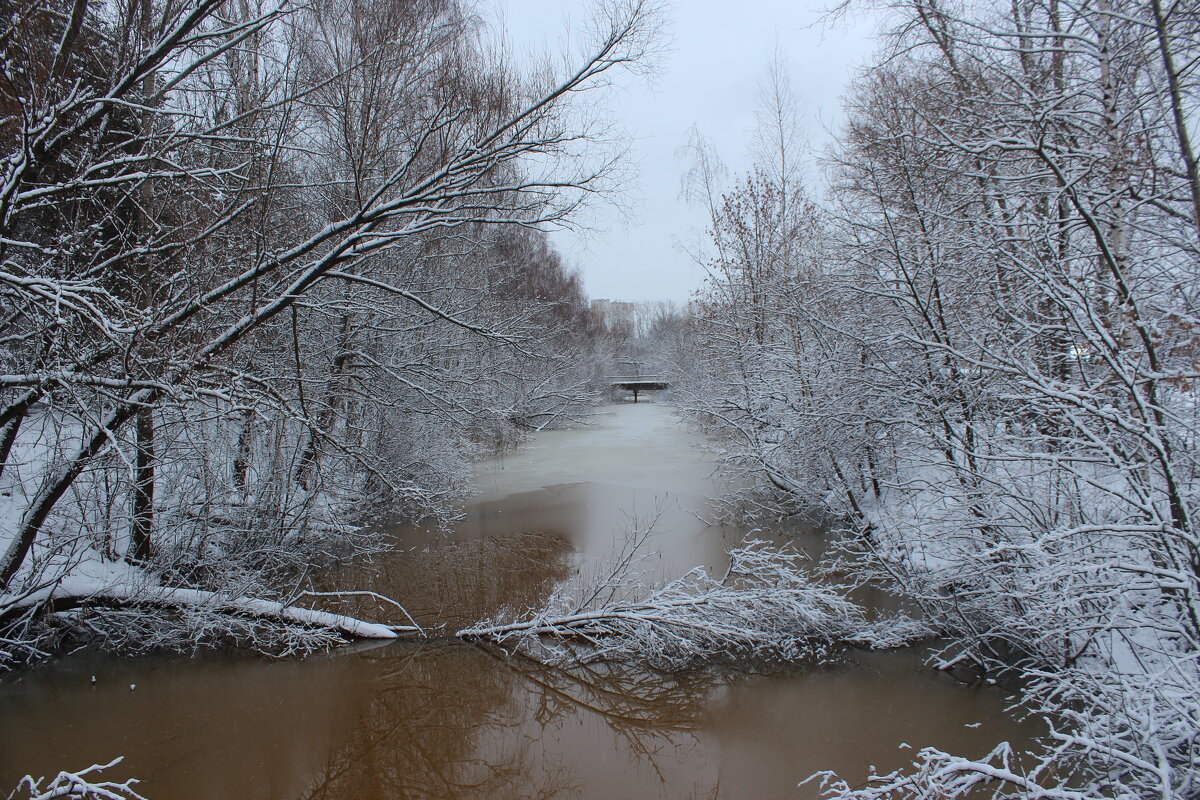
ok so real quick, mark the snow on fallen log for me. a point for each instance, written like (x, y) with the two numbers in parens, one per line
(81, 784)
(767, 608)
(74, 591)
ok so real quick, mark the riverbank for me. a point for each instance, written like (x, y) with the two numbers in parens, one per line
(449, 720)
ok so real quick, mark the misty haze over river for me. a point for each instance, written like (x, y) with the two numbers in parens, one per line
(455, 720)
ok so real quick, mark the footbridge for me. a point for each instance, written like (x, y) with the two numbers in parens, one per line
(639, 383)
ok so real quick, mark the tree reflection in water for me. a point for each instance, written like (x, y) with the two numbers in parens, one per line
(648, 712)
(458, 582)
(452, 720)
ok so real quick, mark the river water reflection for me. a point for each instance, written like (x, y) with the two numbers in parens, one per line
(447, 720)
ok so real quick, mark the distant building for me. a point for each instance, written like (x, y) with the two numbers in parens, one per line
(616, 314)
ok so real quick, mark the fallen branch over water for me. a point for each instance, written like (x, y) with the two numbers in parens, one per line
(766, 608)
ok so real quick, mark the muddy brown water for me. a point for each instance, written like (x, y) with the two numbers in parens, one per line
(448, 720)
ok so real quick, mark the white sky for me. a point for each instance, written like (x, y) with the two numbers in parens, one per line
(709, 77)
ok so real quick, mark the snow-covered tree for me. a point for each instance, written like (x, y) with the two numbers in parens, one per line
(264, 260)
(994, 375)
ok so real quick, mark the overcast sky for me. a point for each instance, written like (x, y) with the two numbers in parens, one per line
(708, 78)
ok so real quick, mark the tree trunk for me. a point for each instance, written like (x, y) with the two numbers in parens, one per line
(57, 484)
(143, 489)
(11, 419)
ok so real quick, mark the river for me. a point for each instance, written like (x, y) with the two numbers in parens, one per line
(450, 720)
